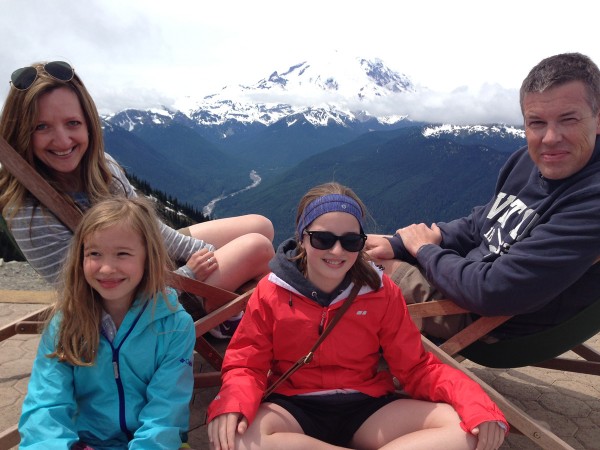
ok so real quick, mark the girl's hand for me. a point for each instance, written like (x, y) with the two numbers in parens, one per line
(490, 435)
(222, 429)
(202, 263)
(378, 247)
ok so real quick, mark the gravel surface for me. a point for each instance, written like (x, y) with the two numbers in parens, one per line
(20, 276)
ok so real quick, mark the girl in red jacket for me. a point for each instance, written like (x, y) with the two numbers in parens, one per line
(341, 398)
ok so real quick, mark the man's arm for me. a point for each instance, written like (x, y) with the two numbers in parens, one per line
(533, 272)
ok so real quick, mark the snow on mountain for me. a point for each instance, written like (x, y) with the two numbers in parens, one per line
(130, 118)
(333, 90)
(336, 88)
(344, 79)
(458, 130)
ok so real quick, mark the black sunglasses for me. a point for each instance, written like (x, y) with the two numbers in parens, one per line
(324, 240)
(23, 78)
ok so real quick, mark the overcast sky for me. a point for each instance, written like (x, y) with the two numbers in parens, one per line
(470, 55)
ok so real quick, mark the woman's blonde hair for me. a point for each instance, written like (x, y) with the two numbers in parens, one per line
(17, 124)
(79, 307)
(362, 272)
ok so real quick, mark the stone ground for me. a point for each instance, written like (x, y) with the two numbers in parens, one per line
(569, 403)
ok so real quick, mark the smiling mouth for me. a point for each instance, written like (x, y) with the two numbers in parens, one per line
(109, 283)
(554, 156)
(65, 153)
(334, 263)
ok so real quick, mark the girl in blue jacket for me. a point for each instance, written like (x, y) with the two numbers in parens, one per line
(114, 365)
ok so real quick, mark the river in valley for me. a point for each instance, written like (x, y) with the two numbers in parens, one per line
(254, 176)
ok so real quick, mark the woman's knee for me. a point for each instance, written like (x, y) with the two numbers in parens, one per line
(260, 247)
(260, 224)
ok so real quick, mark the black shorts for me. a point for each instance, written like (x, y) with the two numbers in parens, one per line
(331, 418)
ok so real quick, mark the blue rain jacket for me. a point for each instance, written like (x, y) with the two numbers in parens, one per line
(135, 396)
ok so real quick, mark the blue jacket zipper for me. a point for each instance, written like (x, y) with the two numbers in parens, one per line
(115, 363)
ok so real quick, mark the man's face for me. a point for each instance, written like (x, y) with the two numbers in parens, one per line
(561, 129)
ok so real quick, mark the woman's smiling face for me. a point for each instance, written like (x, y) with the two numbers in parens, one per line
(60, 136)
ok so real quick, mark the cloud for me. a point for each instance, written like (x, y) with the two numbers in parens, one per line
(490, 103)
(137, 53)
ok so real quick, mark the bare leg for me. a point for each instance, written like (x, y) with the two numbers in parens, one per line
(413, 424)
(222, 231)
(243, 259)
(275, 428)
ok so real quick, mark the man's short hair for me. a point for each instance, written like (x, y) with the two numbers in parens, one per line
(564, 68)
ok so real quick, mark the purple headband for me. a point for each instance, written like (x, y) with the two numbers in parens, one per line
(326, 204)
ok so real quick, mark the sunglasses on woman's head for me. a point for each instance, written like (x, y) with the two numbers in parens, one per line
(324, 240)
(23, 78)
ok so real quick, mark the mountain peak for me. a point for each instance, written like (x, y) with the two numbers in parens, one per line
(348, 78)
(333, 84)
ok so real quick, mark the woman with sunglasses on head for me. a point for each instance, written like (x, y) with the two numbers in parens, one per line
(50, 119)
(338, 397)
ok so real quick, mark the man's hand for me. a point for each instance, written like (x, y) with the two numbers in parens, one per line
(222, 429)
(416, 235)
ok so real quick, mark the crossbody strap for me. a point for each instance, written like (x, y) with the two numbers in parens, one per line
(308, 358)
(38, 186)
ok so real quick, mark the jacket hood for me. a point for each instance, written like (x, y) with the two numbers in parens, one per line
(285, 273)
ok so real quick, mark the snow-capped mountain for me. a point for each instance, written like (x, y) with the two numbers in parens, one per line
(129, 119)
(337, 89)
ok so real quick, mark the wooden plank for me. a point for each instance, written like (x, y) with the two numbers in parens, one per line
(434, 308)
(10, 329)
(213, 295)
(14, 296)
(38, 186)
(10, 437)
(218, 316)
(471, 333)
(571, 365)
(587, 352)
(530, 428)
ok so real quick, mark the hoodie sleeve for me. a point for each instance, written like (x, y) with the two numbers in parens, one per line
(536, 269)
(422, 375)
(559, 244)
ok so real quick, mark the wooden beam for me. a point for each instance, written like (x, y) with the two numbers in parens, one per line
(14, 296)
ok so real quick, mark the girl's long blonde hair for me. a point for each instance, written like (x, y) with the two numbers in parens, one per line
(79, 307)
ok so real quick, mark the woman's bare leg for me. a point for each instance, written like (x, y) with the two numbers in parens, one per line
(222, 231)
(241, 260)
(413, 424)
